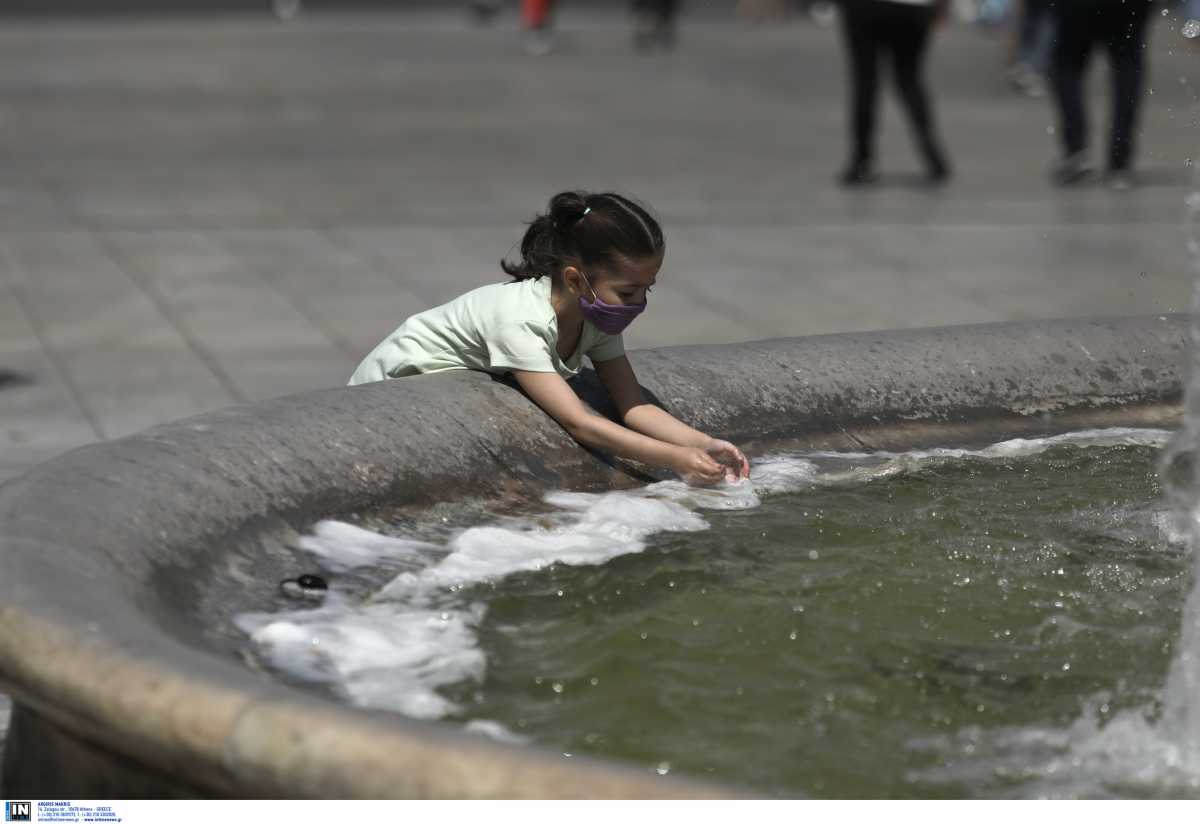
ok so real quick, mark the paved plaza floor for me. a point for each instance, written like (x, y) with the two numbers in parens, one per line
(197, 213)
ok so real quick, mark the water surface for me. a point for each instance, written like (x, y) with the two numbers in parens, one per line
(996, 622)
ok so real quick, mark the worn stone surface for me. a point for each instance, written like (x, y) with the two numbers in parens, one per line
(129, 527)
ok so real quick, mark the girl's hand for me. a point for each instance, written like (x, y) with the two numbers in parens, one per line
(697, 468)
(734, 462)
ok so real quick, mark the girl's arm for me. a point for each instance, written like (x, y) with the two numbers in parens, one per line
(549, 391)
(618, 377)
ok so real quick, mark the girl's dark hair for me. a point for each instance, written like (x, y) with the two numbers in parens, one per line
(592, 230)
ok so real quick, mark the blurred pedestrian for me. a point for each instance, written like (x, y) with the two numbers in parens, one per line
(484, 12)
(903, 29)
(536, 19)
(1031, 47)
(1121, 27)
(654, 24)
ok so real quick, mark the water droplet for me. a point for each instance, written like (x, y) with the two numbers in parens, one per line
(663, 767)
(594, 681)
(813, 555)
(559, 593)
(557, 687)
(643, 636)
(1066, 667)
(671, 584)
(798, 608)
(792, 635)
(1191, 29)
(695, 622)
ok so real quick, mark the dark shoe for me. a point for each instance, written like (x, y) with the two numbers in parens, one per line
(1072, 169)
(859, 173)
(644, 31)
(938, 169)
(483, 12)
(665, 36)
(653, 31)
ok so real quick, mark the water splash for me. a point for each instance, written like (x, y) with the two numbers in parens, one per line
(1181, 705)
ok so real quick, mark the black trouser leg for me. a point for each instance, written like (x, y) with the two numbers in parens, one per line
(909, 36)
(1072, 48)
(862, 46)
(1126, 40)
(1029, 26)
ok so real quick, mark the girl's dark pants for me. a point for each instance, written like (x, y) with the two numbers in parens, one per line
(1121, 26)
(871, 28)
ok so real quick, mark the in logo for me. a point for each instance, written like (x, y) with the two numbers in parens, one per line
(18, 811)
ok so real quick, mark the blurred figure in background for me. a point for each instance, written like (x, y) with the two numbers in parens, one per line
(903, 29)
(536, 17)
(1031, 47)
(484, 11)
(1121, 26)
(654, 24)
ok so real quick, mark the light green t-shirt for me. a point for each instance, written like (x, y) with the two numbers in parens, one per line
(494, 328)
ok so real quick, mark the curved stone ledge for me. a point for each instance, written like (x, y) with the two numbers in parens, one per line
(118, 693)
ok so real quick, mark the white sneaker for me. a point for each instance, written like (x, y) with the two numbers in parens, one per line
(1071, 169)
(538, 42)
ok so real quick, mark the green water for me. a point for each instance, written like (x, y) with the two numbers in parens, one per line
(959, 629)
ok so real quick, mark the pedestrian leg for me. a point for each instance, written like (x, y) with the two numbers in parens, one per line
(1074, 32)
(535, 16)
(1126, 44)
(910, 35)
(862, 48)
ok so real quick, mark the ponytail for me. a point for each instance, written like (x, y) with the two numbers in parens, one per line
(594, 230)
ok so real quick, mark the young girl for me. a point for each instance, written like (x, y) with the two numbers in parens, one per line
(586, 268)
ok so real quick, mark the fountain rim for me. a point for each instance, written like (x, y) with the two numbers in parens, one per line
(95, 669)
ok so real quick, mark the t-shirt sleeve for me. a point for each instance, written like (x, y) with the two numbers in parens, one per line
(519, 346)
(607, 347)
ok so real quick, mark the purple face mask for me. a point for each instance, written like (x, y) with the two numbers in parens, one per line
(608, 318)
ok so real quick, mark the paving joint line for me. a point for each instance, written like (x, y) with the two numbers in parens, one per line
(52, 354)
(147, 287)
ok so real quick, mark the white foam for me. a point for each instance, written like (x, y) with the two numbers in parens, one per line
(398, 648)
(1123, 755)
(376, 655)
(340, 546)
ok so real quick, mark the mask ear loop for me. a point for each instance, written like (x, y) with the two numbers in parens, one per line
(595, 297)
